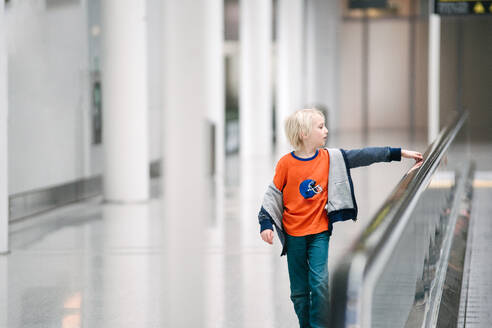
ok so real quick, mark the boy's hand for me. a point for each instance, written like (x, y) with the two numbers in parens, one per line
(415, 155)
(412, 154)
(267, 236)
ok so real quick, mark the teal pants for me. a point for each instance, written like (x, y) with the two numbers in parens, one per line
(307, 259)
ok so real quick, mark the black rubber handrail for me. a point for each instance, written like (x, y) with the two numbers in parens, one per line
(382, 230)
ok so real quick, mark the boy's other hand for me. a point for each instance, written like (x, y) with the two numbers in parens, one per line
(412, 154)
(267, 236)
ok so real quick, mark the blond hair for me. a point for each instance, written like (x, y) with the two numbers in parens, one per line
(299, 124)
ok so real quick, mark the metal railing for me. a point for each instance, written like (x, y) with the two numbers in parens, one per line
(391, 274)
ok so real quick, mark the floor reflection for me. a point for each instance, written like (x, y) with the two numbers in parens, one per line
(127, 286)
(4, 291)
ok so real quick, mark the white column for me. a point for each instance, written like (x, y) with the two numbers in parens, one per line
(322, 35)
(255, 77)
(124, 87)
(4, 195)
(290, 49)
(213, 264)
(433, 87)
(189, 84)
(215, 74)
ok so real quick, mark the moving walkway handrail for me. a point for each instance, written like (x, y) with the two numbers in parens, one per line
(357, 273)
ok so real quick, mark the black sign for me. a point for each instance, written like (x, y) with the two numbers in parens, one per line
(453, 7)
(363, 4)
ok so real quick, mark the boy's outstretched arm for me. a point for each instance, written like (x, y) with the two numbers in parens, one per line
(369, 155)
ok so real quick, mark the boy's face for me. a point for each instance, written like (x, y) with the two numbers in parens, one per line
(319, 133)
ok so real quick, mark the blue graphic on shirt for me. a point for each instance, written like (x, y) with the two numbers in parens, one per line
(308, 188)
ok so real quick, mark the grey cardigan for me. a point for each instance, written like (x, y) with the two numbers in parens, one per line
(341, 204)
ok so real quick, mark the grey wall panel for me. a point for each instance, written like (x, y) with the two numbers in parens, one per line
(33, 202)
(350, 111)
(388, 74)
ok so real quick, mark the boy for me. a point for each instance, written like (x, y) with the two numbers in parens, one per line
(311, 190)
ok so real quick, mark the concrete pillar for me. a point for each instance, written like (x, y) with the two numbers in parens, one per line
(290, 54)
(434, 69)
(216, 86)
(4, 195)
(190, 83)
(323, 20)
(213, 265)
(124, 88)
(255, 77)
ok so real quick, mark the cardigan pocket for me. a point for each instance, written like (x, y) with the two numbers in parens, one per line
(343, 197)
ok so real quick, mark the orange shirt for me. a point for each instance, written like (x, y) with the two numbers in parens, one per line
(304, 183)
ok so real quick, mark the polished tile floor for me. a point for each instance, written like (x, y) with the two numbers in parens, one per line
(92, 264)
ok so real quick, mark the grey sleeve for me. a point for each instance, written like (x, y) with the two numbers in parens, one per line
(369, 155)
(272, 205)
